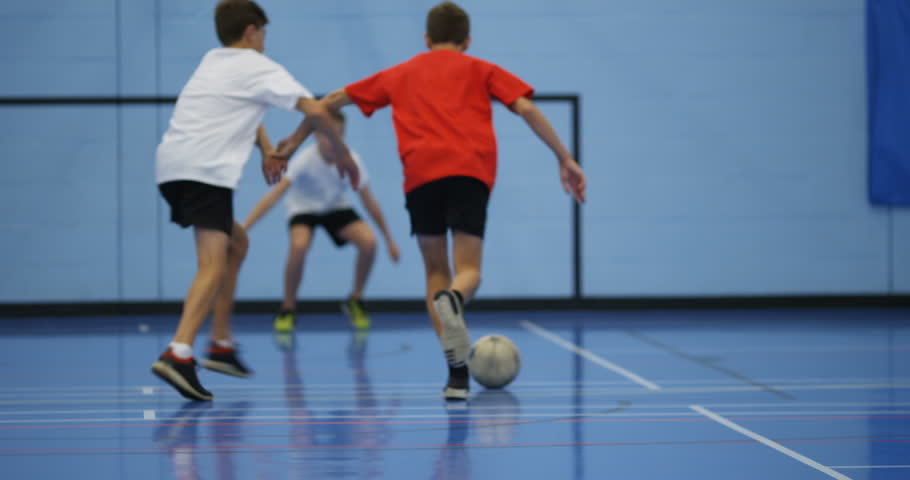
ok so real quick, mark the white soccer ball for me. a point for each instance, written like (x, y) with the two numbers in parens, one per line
(494, 361)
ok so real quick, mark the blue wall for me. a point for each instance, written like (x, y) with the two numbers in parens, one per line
(724, 140)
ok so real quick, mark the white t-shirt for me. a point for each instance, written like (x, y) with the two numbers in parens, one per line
(213, 128)
(316, 187)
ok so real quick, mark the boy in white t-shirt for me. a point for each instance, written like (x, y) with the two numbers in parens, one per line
(317, 196)
(198, 165)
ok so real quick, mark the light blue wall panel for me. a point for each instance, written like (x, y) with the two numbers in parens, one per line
(58, 204)
(900, 245)
(138, 218)
(59, 48)
(727, 153)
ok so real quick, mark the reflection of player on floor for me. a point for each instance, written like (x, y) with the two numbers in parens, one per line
(317, 196)
(336, 428)
(442, 112)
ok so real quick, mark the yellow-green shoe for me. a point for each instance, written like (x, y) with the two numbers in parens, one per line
(354, 309)
(284, 322)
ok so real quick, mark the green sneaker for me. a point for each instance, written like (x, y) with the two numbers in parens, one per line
(284, 322)
(354, 309)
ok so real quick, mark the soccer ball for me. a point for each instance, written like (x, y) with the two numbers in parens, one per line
(494, 361)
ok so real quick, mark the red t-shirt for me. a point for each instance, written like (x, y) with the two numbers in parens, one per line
(442, 113)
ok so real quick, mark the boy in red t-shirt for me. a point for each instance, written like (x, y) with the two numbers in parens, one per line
(442, 111)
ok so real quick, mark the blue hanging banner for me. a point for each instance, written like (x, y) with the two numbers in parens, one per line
(888, 57)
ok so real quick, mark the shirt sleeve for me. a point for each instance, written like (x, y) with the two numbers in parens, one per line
(275, 86)
(370, 93)
(507, 87)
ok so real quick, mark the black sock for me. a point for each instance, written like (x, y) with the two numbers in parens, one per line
(460, 297)
(458, 372)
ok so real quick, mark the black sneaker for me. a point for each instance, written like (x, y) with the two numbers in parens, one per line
(181, 374)
(224, 360)
(459, 384)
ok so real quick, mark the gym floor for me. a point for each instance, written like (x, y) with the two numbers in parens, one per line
(681, 394)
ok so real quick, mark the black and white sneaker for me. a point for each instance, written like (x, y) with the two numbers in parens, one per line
(459, 384)
(181, 374)
(455, 340)
(224, 360)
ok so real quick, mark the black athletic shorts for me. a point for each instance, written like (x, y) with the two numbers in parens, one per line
(333, 222)
(456, 203)
(199, 204)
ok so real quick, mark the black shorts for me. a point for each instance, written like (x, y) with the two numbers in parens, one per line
(456, 203)
(199, 204)
(333, 222)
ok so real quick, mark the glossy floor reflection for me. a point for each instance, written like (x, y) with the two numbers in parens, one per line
(628, 395)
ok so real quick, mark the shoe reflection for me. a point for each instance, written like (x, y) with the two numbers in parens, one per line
(227, 427)
(177, 433)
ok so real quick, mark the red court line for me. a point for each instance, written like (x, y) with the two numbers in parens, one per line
(229, 448)
(152, 423)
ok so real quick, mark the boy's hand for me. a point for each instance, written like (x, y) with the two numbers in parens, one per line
(286, 148)
(272, 167)
(394, 253)
(348, 169)
(573, 179)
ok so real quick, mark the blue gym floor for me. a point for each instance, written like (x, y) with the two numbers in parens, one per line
(799, 394)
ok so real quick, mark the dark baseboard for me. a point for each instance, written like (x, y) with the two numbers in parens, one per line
(494, 304)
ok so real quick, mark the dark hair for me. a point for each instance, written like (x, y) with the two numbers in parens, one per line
(233, 16)
(338, 116)
(448, 22)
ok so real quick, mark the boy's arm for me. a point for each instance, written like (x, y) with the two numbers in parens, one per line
(332, 101)
(337, 99)
(570, 173)
(372, 206)
(317, 117)
(266, 203)
(272, 167)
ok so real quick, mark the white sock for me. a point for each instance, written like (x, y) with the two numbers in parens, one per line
(181, 350)
(224, 343)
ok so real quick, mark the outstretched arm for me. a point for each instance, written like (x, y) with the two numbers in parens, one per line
(372, 206)
(272, 167)
(318, 117)
(570, 173)
(266, 203)
(337, 99)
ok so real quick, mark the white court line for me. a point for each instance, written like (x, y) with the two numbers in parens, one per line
(309, 397)
(768, 442)
(567, 412)
(871, 466)
(99, 389)
(589, 355)
(147, 390)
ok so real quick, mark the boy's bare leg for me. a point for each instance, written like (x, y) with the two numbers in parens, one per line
(434, 249)
(224, 300)
(222, 355)
(300, 238)
(363, 238)
(467, 251)
(211, 257)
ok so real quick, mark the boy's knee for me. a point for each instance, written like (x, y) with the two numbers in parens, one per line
(367, 244)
